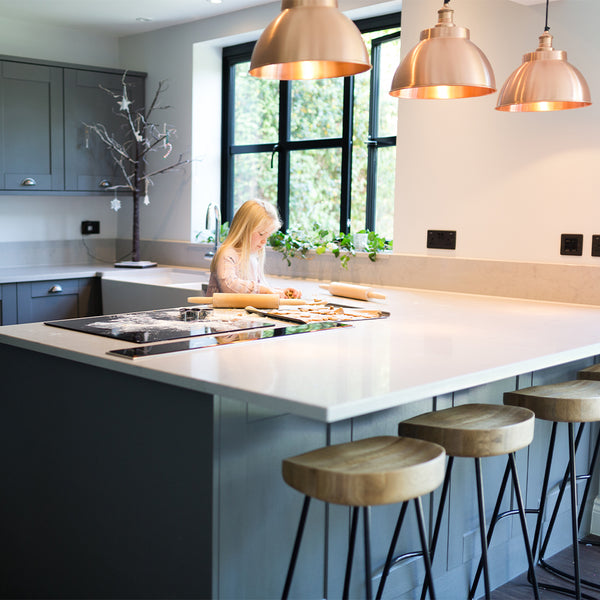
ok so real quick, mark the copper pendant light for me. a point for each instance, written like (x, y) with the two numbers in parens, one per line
(310, 39)
(544, 82)
(444, 64)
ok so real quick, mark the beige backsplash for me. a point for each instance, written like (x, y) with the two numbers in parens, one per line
(537, 281)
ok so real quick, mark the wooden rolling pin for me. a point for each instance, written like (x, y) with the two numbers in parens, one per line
(243, 300)
(349, 290)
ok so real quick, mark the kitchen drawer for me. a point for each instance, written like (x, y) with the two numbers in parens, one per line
(39, 289)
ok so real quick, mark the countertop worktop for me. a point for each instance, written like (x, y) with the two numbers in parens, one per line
(21, 274)
(433, 343)
(47, 272)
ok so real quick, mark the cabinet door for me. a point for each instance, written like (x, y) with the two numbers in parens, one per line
(8, 304)
(88, 164)
(31, 134)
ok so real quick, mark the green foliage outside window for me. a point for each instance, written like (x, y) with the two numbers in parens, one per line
(315, 174)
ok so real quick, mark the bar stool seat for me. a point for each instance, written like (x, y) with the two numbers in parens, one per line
(477, 431)
(567, 402)
(370, 472)
(473, 430)
(592, 373)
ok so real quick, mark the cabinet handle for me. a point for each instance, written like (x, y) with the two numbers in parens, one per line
(29, 181)
(55, 289)
(104, 183)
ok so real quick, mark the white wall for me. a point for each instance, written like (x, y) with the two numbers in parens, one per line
(52, 217)
(509, 184)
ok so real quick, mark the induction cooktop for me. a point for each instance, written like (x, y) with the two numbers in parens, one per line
(165, 324)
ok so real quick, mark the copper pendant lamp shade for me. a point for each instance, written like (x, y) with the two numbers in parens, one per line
(444, 64)
(310, 39)
(544, 82)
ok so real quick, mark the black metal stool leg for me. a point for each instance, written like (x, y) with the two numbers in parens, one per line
(557, 505)
(569, 473)
(290, 573)
(482, 527)
(351, 543)
(438, 520)
(544, 494)
(390, 554)
(423, 536)
(574, 527)
(588, 477)
(511, 469)
(517, 487)
(490, 532)
(367, 534)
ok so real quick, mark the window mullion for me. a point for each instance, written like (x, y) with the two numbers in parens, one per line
(346, 175)
(373, 134)
(228, 110)
(283, 164)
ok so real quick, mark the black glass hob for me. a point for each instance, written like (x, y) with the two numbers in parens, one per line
(165, 324)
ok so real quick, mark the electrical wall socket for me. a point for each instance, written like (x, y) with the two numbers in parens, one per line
(88, 227)
(445, 240)
(571, 244)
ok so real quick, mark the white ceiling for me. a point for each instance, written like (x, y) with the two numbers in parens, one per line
(118, 17)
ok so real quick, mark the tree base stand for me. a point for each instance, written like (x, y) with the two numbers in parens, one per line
(135, 264)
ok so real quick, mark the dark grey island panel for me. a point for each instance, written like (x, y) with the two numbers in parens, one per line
(107, 483)
(118, 486)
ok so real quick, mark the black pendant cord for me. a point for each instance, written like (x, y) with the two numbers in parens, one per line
(546, 27)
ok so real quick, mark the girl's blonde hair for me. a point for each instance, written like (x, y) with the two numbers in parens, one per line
(251, 216)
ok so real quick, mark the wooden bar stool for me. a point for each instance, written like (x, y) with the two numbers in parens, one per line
(365, 473)
(567, 402)
(476, 431)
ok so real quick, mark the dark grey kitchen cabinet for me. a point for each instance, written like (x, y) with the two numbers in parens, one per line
(88, 165)
(31, 127)
(58, 299)
(8, 304)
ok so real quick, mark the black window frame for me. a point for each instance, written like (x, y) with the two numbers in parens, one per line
(234, 55)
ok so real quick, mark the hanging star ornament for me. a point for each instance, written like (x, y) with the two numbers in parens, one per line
(115, 204)
(124, 102)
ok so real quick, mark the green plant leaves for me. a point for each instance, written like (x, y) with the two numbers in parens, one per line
(341, 245)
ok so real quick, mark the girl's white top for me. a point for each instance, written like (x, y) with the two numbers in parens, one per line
(228, 278)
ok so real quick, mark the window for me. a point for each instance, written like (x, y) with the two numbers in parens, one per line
(323, 151)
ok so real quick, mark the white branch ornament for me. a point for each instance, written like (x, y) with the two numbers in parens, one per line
(131, 156)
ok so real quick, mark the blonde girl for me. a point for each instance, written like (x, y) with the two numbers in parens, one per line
(238, 265)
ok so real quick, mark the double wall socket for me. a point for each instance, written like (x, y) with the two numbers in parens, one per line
(445, 240)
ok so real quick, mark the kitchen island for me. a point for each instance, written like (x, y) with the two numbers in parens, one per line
(160, 477)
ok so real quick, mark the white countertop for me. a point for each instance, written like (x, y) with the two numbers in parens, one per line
(433, 343)
(46, 272)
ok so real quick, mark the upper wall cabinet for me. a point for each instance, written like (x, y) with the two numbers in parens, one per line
(88, 101)
(31, 127)
(46, 144)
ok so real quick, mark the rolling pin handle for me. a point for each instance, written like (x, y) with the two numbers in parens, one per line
(376, 295)
(200, 299)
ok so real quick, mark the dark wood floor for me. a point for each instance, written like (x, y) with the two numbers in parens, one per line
(520, 589)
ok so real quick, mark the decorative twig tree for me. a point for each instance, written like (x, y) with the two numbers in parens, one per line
(142, 136)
